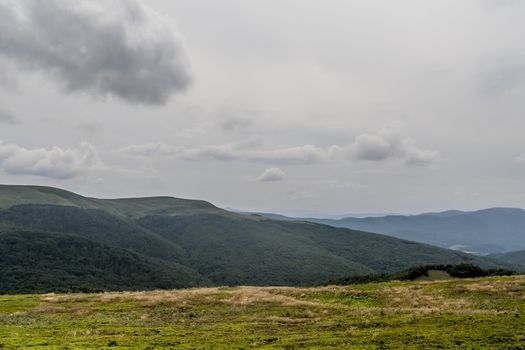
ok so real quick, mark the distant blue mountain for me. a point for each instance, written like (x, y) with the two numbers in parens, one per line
(513, 258)
(487, 231)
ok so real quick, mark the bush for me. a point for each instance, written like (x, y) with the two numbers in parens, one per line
(457, 271)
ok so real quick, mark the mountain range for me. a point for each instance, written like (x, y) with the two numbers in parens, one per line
(55, 240)
(482, 232)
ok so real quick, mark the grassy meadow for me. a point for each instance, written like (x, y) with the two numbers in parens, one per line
(484, 313)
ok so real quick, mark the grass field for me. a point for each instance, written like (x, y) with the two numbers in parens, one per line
(485, 313)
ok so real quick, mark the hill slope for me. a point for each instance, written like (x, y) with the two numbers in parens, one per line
(185, 242)
(513, 258)
(34, 262)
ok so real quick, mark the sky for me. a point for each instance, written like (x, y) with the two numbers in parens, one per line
(301, 107)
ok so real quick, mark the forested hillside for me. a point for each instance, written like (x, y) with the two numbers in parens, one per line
(52, 239)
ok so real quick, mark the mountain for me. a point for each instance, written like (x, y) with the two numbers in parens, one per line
(51, 239)
(482, 232)
(37, 261)
(516, 258)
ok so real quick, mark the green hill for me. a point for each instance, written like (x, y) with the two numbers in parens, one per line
(34, 262)
(12, 195)
(185, 242)
(514, 258)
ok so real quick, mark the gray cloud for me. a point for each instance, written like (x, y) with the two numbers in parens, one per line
(375, 63)
(382, 145)
(55, 162)
(112, 47)
(8, 117)
(90, 127)
(388, 144)
(243, 151)
(502, 77)
(272, 175)
(420, 157)
(8, 81)
(385, 144)
(235, 122)
(150, 149)
(307, 154)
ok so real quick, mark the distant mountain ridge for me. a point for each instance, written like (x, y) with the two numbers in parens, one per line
(516, 258)
(12, 195)
(486, 231)
(51, 239)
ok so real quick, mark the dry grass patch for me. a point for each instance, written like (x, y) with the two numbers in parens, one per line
(416, 298)
(515, 286)
(53, 309)
(146, 298)
(304, 291)
(245, 296)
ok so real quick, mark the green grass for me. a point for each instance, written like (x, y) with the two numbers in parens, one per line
(484, 313)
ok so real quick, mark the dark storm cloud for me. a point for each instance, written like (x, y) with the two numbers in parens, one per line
(113, 47)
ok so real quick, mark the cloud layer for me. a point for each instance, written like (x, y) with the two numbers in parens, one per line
(55, 162)
(112, 47)
(384, 145)
(150, 149)
(307, 154)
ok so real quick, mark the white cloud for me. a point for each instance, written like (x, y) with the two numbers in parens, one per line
(417, 156)
(150, 149)
(272, 175)
(112, 47)
(55, 162)
(520, 159)
(388, 144)
(307, 154)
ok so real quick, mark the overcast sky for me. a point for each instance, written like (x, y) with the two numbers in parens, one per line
(291, 106)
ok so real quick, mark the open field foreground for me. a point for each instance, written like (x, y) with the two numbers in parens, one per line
(466, 314)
